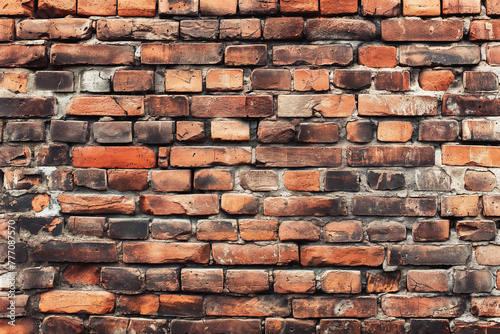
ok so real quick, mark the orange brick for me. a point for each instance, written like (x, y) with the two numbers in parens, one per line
(7, 30)
(213, 179)
(427, 281)
(239, 204)
(493, 7)
(377, 56)
(462, 7)
(271, 79)
(301, 180)
(97, 7)
(258, 230)
(294, 281)
(438, 80)
(133, 81)
(335, 7)
(218, 7)
(380, 8)
(137, 8)
(171, 180)
(90, 302)
(16, 7)
(311, 80)
(175, 7)
(207, 156)
(421, 7)
(464, 155)
(224, 80)
(299, 6)
(56, 8)
(459, 206)
(247, 281)
(341, 281)
(183, 81)
(113, 157)
(230, 131)
(394, 131)
(16, 82)
(190, 131)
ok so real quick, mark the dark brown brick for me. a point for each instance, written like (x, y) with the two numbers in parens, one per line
(52, 155)
(26, 107)
(212, 326)
(158, 132)
(381, 281)
(24, 131)
(62, 324)
(55, 251)
(275, 132)
(352, 79)
(35, 225)
(23, 56)
(437, 130)
(318, 133)
(87, 54)
(431, 230)
(91, 178)
(61, 179)
(417, 55)
(383, 231)
(69, 131)
(199, 29)
(408, 255)
(319, 55)
(385, 180)
(170, 106)
(37, 278)
(232, 106)
(283, 28)
(390, 156)
(271, 79)
(343, 231)
(289, 325)
(480, 81)
(428, 326)
(112, 132)
(360, 131)
(259, 306)
(472, 281)
(304, 206)
(470, 105)
(162, 279)
(124, 280)
(342, 181)
(91, 226)
(119, 228)
(339, 326)
(128, 179)
(394, 81)
(340, 29)
(394, 206)
(476, 230)
(298, 156)
(56, 81)
(182, 54)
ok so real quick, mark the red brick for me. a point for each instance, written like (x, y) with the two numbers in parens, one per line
(131, 8)
(438, 80)
(239, 204)
(476, 230)
(56, 8)
(247, 281)
(171, 180)
(479, 130)
(299, 231)
(321, 256)
(220, 230)
(427, 281)
(217, 326)
(174, 7)
(241, 29)
(431, 230)
(396, 105)
(304, 206)
(105, 106)
(202, 280)
(284, 28)
(493, 55)
(484, 30)
(422, 30)
(341, 281)
(209, 156)
(390, 156)
(246, 55)
(343, 231)
(256, 7)
(251, 254)
(160, 252)
(299, 6)
(340, 29)
(398, 132)
(97, 7)
(171, 106)
(294, 281)
(298, 156)
(464, 155)
(22, 179)
(191, 205)
(271, 79)
(422, 307)
(377, 56)
(330, 307)
(81, 273)
(258, 230)
(190, 131)
(113, 157)
(141, 304)
(162, 279)
(380, 8)
(335, 7)
(260, 306)
(59, 301)
(480, 181)
(275, 132)
(393, 81)
(408, 255)
(182, 54)
(490, 205)
(419, 55)
(95, 204)
(232, 106)
(23, 56)
(480, 81)
(213, 179)
(223, 80)
(461, 7)
(301, 180)
(128, 180)
(311, 80)
(461, 327)
(336, 54)
(133, 81)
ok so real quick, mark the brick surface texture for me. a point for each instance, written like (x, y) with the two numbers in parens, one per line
(249, 166)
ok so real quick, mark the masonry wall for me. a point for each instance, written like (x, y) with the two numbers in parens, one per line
(249, 166)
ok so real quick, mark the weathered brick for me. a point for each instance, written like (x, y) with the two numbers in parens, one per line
(91, 226)
(37, 278)
(133, 81)
(161, 252)
(381, 281)
(311, 80)
(479, 181)
(172, 229)
(271, 79)
(423, 307)
(119, 228)
(219, 8)
(459, 7)
(230, 130)
(439, 80)
(136, 326)
(431, 230)
(162, 279)
(224, 80)
(299, 6)
(256, 7)
(15, 81)
(342, 181)
(394, 131)
(330, 307)
(220, 230)
(390, 156)
(86, 54)
(343, 231)
(476, 230)
(493, 55)
(336, 54)
(359, 131)
(485, 307)
(12, 8)
(97, 8)
(23, 56)
(289, 325)
(258, 230)
(24, 203)
(340, 29)
(55, 29)
(91, 178)
(247, 281)
(174, 7)
(407, 255)
(232, 106)
(299, 231)
(22, 179)
(217, 325)
(209, 156)
(461, 327)
(105, 106)
(131, 8)
(94, 204)
(275, 132)
(480, 81)
(128, 180)
(490, 205)
(62, 324)
(192, 205)
(246, 55)
(96, 81)
(183, 81)
(260, 306)
(432, 180)
(52, 155)
(438, 130)
(396, 105)
(61, 179)
(112, 132)
(137, 29)
(301, 180)
(56, 251)
(479, 130)
(427, 281)
(377, 56)
(335, 7)
(472, 281)
(35, 225)
(26, 107)
(304, 206)
(379, 8)
(239, 204)
(81, 273)
(484, 30)
(252, 254)
(294, 281)
(399, 30)
(141, 304)
(352, 79)
(182, 53)
(321, 256)
(464, 155)
(283, 28)
(171, 180)
(341, 326)
(470, 105)
(298, 156)
(393, 81)
(202, 280)
(385, 180)
(181, 305)
(56, 81)
(213, 179)
(121, 279)
(417, 55)
(190, 131)
(309, 105)
(56, 8)
(341, 281)
(24, 131)
(241, 29)
(421, 8)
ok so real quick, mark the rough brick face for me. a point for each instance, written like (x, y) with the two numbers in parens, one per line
(250, 166)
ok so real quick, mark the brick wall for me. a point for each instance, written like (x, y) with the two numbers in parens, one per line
(250, 166)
